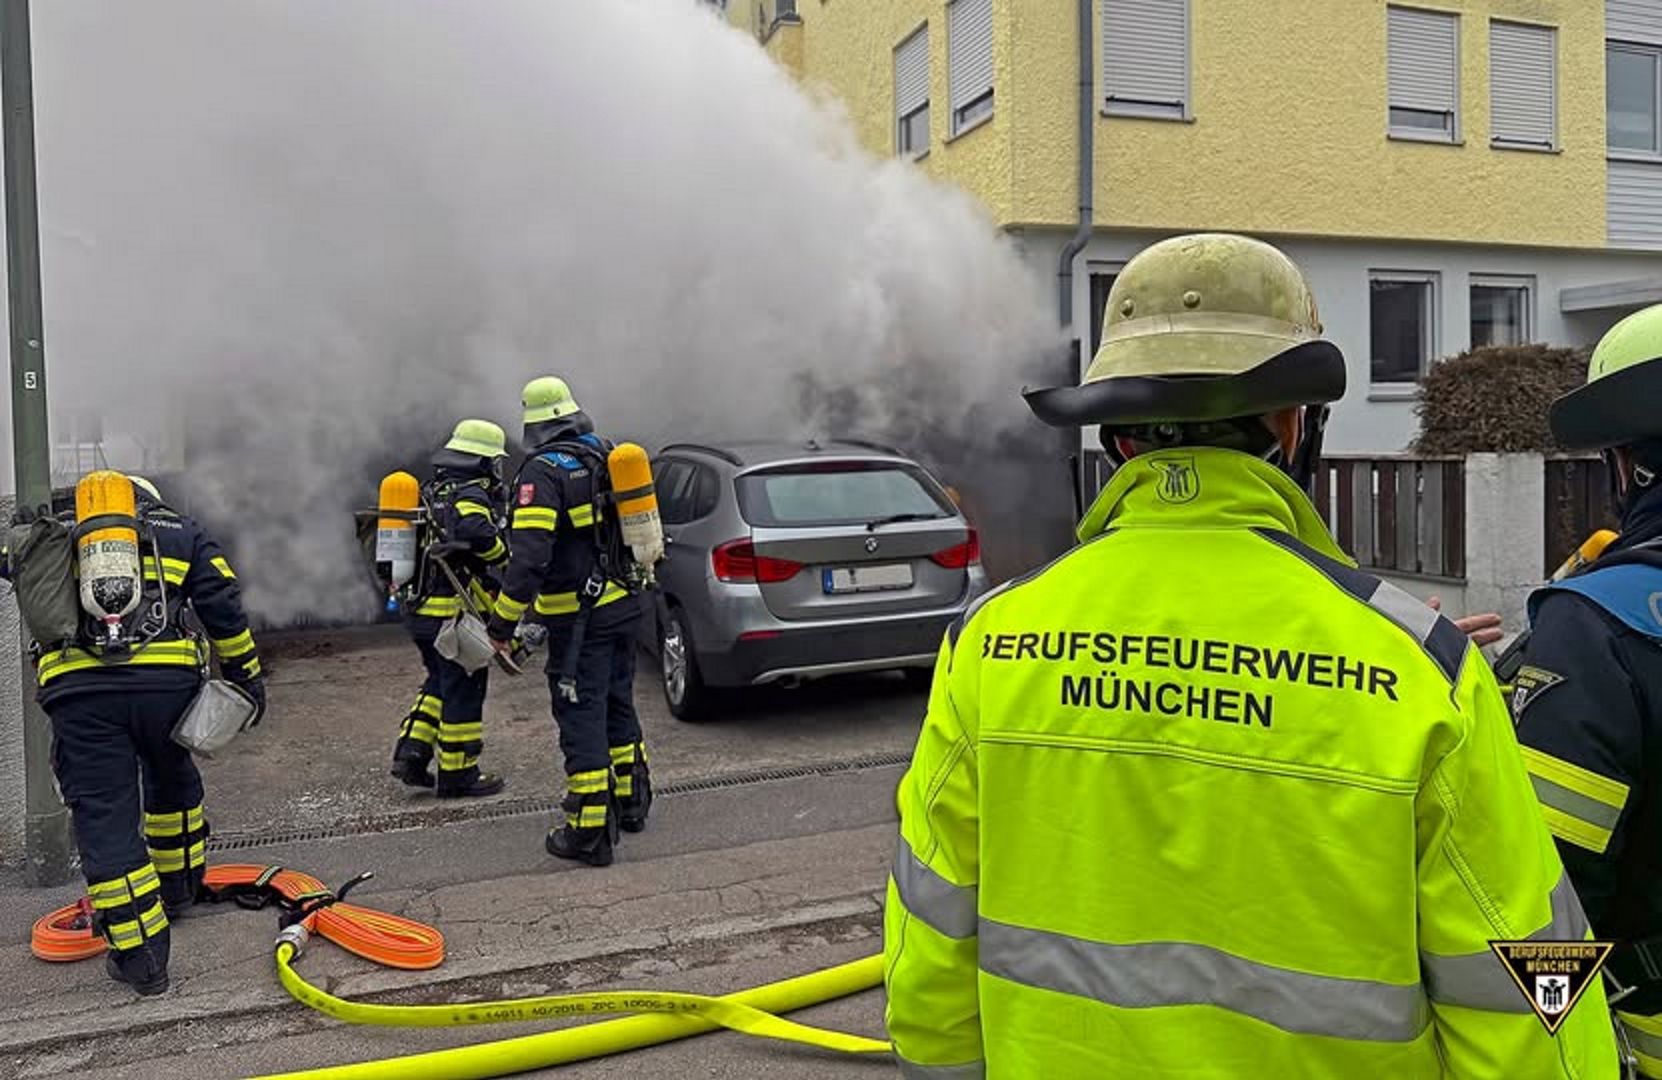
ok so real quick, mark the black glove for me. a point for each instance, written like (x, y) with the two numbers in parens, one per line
(500, 629)
(254, 688)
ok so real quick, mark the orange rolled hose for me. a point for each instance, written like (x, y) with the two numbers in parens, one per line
(393, 941)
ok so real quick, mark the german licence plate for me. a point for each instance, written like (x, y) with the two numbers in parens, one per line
(856, 579)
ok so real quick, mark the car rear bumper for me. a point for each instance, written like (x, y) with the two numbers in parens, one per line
(787, 652)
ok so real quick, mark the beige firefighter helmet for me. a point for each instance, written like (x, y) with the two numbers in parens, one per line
(1200, 328)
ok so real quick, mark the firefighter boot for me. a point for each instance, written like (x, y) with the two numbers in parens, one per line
(143, 967)
(409, 762)
(633, 786)
(482, 784)
(590, 828)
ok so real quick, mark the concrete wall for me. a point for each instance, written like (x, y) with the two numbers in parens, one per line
(11, 721)
(1505, 533)
(1382, 420)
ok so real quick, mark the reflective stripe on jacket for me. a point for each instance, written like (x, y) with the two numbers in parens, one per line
(195, 573)
(1201, 799)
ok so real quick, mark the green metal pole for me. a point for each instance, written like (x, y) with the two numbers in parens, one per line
(46, 835)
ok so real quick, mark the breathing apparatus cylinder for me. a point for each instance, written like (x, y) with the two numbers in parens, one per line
(396, 547)
(107, 551)
(637, 504)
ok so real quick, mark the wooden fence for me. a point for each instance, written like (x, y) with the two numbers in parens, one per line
(1404, 514)
(1577, 504)
(1396, 513)
(1393, 512)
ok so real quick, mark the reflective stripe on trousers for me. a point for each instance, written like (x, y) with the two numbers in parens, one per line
(1166, 973)
(1644, 1036)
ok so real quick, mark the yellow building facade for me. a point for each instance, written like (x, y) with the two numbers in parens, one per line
(1449, 173)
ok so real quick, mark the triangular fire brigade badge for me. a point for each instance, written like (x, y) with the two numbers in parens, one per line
(1552, 975)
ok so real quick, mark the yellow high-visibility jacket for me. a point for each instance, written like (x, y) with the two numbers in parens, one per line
(1201, 799)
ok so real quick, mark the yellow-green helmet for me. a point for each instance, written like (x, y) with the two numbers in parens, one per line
(1621, 403)
(1199, 328)
(478, 438)
(548, 398)
(145, 486)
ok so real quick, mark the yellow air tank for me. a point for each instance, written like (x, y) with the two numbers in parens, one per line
(637, 503)
(107, 550)
(395, 530)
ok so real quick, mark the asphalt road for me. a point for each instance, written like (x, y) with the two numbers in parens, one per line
(798, 859)
(319, 761)
(720, 1054)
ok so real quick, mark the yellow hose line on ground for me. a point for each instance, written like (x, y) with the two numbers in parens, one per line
(676, 1016)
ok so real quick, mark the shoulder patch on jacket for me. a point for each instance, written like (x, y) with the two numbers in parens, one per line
(1530, 683)
(527, 494)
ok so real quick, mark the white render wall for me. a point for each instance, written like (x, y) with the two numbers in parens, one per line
(1382, 422)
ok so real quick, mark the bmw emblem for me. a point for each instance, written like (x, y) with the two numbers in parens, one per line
(871, 545)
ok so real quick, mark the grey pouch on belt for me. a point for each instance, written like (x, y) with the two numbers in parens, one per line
(214, 718)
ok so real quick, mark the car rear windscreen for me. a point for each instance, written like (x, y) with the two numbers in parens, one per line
(839, 493)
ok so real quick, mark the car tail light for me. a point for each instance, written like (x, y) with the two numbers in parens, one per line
(736, 561)
(960, 556)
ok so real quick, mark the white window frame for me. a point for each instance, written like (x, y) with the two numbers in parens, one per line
(979, 109)
(1644, 49)
(1500, 142)
(1454, 135)
(1432, 331)
(1151, 110)
(1525, 282)
(901, 118)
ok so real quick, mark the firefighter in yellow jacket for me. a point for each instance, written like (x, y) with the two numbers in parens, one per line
(1200, 798)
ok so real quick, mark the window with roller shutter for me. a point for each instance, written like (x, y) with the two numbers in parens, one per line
(969, 49)
(1523, 86)
(911, 95)
(1145, 58)
(1424, 74)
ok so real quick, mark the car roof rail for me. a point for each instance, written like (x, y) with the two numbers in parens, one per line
(714, 451)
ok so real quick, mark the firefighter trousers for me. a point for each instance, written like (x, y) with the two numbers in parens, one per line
(448, 719)
(600, 734)
(135, 799)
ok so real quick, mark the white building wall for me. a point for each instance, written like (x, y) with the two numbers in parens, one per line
(1381, 421)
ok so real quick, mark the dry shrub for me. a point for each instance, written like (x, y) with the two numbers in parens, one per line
(1495, 399)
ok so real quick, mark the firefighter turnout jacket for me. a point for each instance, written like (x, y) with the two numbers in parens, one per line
(1588, 703)
(183, 567)
(552, 539)
(1201, 799)
(463, 513)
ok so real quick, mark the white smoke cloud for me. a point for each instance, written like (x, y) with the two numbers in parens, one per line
(315, 233)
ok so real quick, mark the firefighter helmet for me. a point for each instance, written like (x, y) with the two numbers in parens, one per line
(1200, 328)
(145, 486)
(1618, 404)
(548, 398)
(478, 438)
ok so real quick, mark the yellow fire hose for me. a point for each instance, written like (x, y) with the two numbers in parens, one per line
(674, 1016)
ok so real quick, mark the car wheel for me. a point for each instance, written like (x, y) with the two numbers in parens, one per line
(684, 690)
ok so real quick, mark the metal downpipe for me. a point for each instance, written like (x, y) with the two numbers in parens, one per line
(1087, 165)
